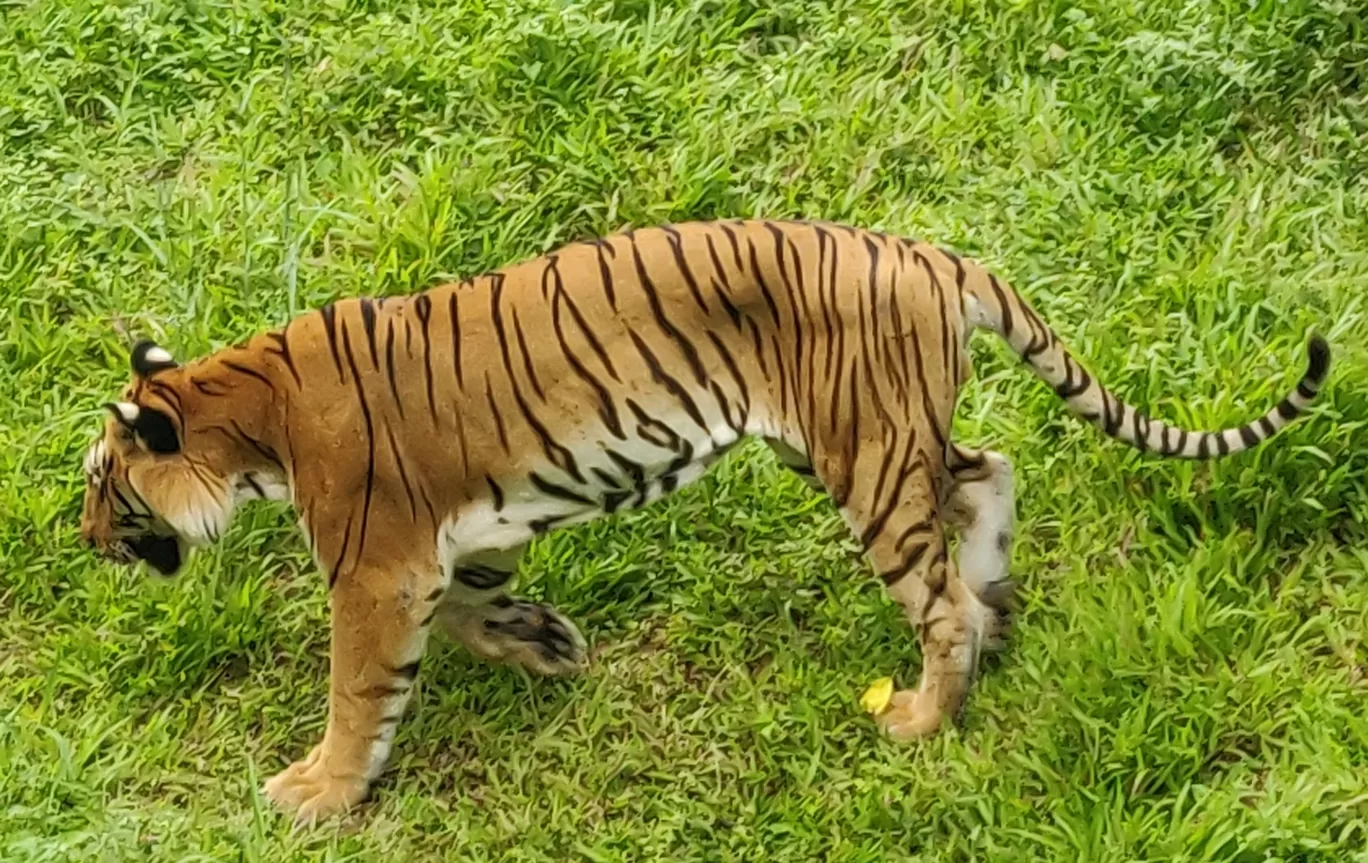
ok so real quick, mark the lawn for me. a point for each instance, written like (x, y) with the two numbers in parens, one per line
(1180, 187)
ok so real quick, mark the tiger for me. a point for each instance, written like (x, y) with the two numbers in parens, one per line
(425, 440)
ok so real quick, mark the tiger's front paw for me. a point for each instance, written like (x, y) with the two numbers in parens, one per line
(313, 792)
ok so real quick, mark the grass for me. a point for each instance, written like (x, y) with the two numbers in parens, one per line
(1180, 188)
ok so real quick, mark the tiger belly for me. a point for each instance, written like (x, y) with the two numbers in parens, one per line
(480, 544)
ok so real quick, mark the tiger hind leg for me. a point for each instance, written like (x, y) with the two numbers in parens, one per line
(898, 517)
(498, 628)
(980, 504)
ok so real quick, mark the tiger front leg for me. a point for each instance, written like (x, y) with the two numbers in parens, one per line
(380, 621)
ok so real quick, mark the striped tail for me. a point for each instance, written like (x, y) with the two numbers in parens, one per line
(1000, 308)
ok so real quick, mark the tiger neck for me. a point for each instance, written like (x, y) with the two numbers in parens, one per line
(238, 395)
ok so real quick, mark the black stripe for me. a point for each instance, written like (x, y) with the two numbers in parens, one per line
(389, 369)
(653, 298)
(1222, 445)
(782, 374)
(454, 313)
(256, 486)
(170, 395)
(895, 498)
(423, 306)
(607, 409)
(1305, 391)
(609, 480)
(368, 321)
(841, 493)
(265, 451)
(559, 455)
(1249, 436)
(672, 440)
(551, 489)
(1141, 439)
(761, 284)
(633, 470)
(528, 366)
(336, 570)
(403, 474)
(927, 405)
(732, 311)
(251, 373)
(1182, 441)
(676, 243)
(1116, 416)
(589, 336)
(895, 360)
(675, 388)
(730, 363)
(203, 386)
(759, 348)
(822, 239)
(922, 526)
(1002, 302)
(1203, 445)
(1286, 409)
(370, 445)
(605, 273)
(736, 246)
(329, 313)
(1040, 333)
(496, 492)
(951, 365)
(724, 405)
(959, 270)
(683, 459)
(1067, 390)
(893, 576)
(282, 349)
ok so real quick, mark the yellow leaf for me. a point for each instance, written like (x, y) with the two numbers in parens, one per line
(877, 696)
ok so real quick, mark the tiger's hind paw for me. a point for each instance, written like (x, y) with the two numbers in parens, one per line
(1000, 597)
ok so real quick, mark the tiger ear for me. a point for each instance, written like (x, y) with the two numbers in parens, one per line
(150, 358)
(151, 428)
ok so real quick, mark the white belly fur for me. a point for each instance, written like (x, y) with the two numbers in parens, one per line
(479, 528)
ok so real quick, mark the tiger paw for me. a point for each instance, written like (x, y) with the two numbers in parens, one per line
(911, 715)
(530, 634)
(1000, 599)
(312, 792)
(536, 636)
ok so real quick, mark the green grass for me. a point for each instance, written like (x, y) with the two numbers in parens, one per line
(1178, 186)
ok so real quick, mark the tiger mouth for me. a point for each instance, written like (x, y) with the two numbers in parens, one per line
(162, 553)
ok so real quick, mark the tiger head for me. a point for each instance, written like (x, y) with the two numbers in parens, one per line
(149, 495)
